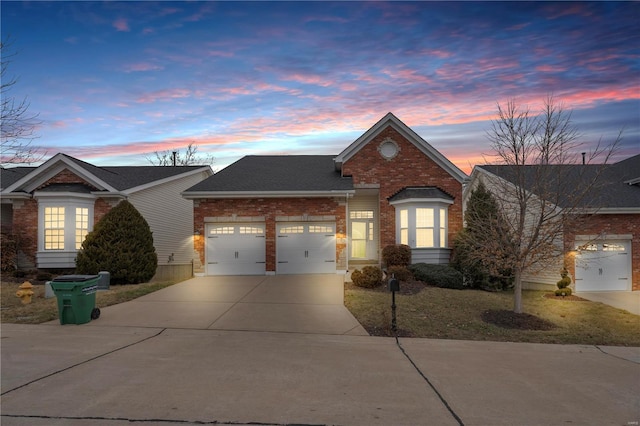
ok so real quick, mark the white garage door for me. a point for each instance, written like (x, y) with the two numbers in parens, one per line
(604, 266)
(306, 248)
(235, 249)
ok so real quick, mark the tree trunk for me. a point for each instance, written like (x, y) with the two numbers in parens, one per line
(517, 291)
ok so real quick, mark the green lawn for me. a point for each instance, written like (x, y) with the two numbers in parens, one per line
(457, 314)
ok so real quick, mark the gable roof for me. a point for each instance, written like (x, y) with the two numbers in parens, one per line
(125, 179)
(615, 190)
(407, 133)
(275, 175)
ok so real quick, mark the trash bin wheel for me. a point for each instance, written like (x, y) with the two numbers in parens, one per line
(95, 313)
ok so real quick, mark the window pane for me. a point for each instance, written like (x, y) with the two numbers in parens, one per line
(404, 219)
(320, 229)
(358, 248)
(404, 236)
(251, 230)
(424, 237)
(443, 237)
(424, 218)
(359, 230)
(361, 214)
(54, 228)
(292, 230)
(220, 230)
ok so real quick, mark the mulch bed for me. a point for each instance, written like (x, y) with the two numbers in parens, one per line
(406, 288)
(512, 320)
(572, 298)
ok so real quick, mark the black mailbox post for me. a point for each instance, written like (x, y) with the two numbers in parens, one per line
(394, 285)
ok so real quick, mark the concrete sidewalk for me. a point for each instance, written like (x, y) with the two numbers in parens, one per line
(87, 375)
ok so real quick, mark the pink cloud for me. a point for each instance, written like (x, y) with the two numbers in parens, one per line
(121, 24)
(163, 95)
(550, 68)
(142, 66)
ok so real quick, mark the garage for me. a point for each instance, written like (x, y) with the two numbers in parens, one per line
(604, 266)
(306, 248)
(235, 249)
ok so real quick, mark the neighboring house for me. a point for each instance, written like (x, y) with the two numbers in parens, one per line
(329, 213)
(602, 246)
(49, 209)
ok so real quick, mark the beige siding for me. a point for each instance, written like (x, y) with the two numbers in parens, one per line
(170, 218)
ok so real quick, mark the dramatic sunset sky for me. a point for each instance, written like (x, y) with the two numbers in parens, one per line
(113, 82)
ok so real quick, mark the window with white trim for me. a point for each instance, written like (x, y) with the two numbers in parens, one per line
(63, 224)
(422, 224)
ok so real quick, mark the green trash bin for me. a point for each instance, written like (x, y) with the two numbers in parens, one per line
(76, 296)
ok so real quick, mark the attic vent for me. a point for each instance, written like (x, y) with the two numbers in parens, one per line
(388, 149)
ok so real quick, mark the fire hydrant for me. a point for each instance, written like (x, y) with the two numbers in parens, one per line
(25, 292)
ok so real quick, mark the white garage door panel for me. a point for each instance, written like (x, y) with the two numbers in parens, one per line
(604, 267)
(235, 249)
(306, 248)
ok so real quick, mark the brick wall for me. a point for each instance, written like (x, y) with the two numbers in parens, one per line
(25, 229)
(608, 224)
(409, 168)
(270, 209)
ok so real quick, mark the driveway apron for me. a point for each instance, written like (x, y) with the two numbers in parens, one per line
(282, 303)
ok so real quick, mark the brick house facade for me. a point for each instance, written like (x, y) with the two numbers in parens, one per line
(348, 195)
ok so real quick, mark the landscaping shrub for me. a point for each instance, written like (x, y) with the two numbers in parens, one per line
(481, 267)
(396, 255)
(438, 275)
(121, 243)
(8, 252)
(563, 284)
(400, 272)
(369, 277)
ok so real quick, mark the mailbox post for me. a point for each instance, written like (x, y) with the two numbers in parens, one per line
(394, 285)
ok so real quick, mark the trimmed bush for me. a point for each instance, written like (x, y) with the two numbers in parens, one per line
(8, 252)
(400, 272)
(369, 277)
(565, 291)
(565, 281)
(121, 243)
(396, 255)
(443, 276)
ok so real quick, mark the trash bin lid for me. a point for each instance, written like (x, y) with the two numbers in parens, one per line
(74, 278)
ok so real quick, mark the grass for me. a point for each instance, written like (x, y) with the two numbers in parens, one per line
(458, 314)
(42, 310)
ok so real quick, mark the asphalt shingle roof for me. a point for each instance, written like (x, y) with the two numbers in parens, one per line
(268, 173)
(119, 177)
(425, 192)
(610, 190)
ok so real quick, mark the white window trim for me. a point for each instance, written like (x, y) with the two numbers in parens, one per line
(70, 202)
(411, 205)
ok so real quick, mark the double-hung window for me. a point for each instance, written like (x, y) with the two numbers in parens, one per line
(64, 224)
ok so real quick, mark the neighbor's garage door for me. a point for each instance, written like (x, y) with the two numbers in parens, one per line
(235, 249)
(308, 248)
(604, 266)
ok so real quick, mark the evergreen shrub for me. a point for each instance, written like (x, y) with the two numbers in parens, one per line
(396, 255)
(443, 276)
(369, 277)
(122, 244)
(400, 272)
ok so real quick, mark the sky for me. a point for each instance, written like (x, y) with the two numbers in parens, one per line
(114, 82)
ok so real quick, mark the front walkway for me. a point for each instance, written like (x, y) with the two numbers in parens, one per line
(280, 303)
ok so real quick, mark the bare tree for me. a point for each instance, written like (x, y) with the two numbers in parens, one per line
(17, 125)
(175, 157)
(540, 185)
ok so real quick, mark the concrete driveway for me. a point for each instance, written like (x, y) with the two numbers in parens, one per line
(627, 300)
(280, 303)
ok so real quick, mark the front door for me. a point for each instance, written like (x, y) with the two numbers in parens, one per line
(363, 243)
